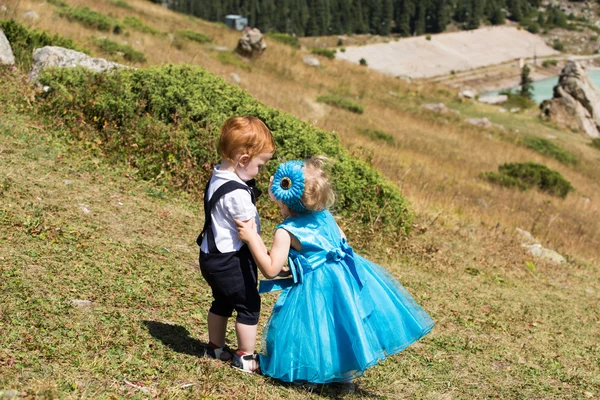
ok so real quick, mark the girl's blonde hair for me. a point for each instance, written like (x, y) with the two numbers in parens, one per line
(318, 194)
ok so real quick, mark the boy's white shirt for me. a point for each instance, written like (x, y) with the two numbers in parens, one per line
(233, 205)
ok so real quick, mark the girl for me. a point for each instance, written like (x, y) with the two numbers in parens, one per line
(340, 313)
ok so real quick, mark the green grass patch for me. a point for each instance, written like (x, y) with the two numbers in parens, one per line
(194, 36)
(139, 25)
(285, 39)
(550, 149)
(595, 143)
(549, 63)
(231, 58)
(24, 41)
(164, 121)
(114, 48)
(530, 175)
(92, 19)
(378, 135)
(121, 3)
(340, 102)
(329, 53)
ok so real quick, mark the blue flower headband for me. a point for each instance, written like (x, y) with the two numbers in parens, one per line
(288, 185)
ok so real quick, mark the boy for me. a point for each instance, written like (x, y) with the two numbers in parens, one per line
(226, 263)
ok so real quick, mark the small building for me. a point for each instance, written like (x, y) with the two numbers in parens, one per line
(236, 22)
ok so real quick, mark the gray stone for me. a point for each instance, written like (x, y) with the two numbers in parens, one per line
(482, 122)
(576, 101)
(9, 394)
(235, 77)
(537, 250)
(468, 94)
(499, 99)
(526, 236)
(6, 55)
(437, 107)
(52, 56)
(81, 303)
(310, 60)
(3, 9)
(31, 15)
(252, 43)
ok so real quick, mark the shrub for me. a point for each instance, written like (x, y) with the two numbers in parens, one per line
(285, 39)
(92, 19)
(428, 37)
(533, 27)
(343, 49)
(139, 25)
(24, 42)
(558, 45)
(58, 3)
(129, 53)
(549, 63)
(164, 121)
(595, 143)
(594, 38)
(376, 134)
(340, 102)
(194, 36)
(548, 148)
(121, 3)
(324, 52)
(528, 175)
(232, 58)
(362, 62)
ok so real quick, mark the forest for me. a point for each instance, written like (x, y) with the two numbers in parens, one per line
(383, 17)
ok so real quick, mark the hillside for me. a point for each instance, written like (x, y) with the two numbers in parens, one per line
(508, 325)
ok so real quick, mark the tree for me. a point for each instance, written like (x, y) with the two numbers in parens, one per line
(526, 83)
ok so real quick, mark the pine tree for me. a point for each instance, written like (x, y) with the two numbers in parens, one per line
(526, 83)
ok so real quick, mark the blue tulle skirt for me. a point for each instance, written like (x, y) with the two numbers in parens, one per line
(329, 328)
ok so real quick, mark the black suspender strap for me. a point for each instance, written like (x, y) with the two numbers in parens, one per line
(227, 187)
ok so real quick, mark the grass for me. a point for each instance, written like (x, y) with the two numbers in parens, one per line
(378, 135)
(139, 25)
(133, 255)
(341, 103)
(109, 47)
(550, 149)
(329, 53)
(194, 36)
(285, 39)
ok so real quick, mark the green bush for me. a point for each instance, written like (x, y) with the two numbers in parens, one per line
(194, 36)
(285, 39)
(558, 45)
(529, 175)
(58, 3)
(92, 19)
(595, 143)
(129, 53)
(548, 148)
(164, 121)
(340, 102)
(329, 53)
(376, 134)
(121, 3)
(139, 25)
(549, 63)
(232, 58)
(362, 62)
(24, 41)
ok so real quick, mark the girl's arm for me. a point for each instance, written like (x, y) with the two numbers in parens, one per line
(270, 264)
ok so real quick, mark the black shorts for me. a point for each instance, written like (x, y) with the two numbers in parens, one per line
(233, 278)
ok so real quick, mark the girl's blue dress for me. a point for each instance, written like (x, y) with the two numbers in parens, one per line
(342, 313)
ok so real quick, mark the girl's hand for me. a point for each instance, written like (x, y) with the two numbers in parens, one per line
(246, 229)
(285, 271)
(270, 191)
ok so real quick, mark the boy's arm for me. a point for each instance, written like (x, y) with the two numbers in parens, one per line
(270, 264)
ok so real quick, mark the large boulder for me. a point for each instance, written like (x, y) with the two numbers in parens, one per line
(52, 56)
(576, 101)
(6, 55)
(251, 43)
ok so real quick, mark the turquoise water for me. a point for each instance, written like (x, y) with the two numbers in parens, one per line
(543, 90)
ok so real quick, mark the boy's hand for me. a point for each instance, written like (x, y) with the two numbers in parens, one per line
(246, 229)
(270, 191)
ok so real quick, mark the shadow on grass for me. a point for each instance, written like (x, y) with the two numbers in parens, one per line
(327, 391)
(176, 337)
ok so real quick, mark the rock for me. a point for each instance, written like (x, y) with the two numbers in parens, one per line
(502, 110)
(31, 15)
(9, 394)
(482, 202)
(576, 101)
(482, 122)
(3, 9)
(81, 303)
(551, 137)
(499, 99)
(436, 107)
(52, 56)
(467, 94)
(68, 182)
(235, 77)
(252, 43)
(537, 250)
(310, 60)
(515, 109)
(526, 236)
(6, 55)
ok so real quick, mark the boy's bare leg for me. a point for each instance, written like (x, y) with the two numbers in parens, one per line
(217, 325)
(246, 335)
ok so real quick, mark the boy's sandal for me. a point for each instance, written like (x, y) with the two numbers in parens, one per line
(221, 353)
(247, 363)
